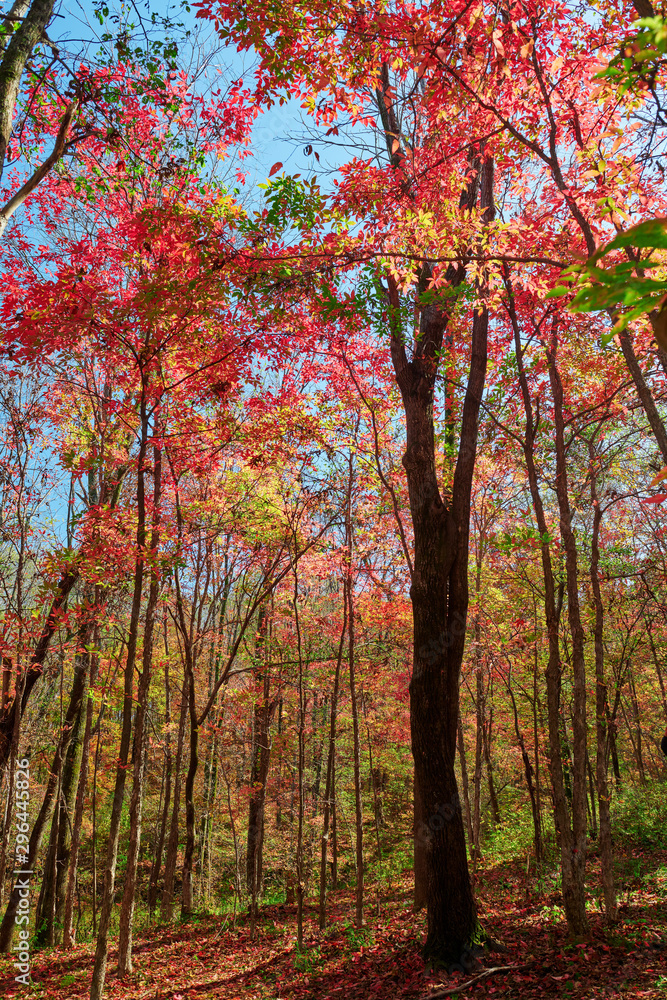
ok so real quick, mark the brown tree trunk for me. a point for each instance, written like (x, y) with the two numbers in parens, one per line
(68, 936)
(164, 819)
(603, 791)
(573, 889)
(570, 841)
(259, 769)
(102, 946)
(136, 797)
(439, 594)
(329, 793)
(466, 788)
(301, 764)
(73, 710)
(167, 901)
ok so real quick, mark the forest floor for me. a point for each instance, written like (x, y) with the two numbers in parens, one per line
(208, 958)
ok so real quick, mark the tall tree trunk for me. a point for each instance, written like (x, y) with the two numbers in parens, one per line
(73, 710)
(159, 848)
(329, 792)
(102, 946)
(93, 660)
(260, 762)
(136, 797)
(466, 787)
(356, 743)
(301, 765)
(637, 742)
(167, 900)
(439, 593)
(603, 791)
(48, 915)
(574, 892)
(569, 840)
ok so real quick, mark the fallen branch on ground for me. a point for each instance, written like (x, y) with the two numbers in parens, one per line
(464, 986)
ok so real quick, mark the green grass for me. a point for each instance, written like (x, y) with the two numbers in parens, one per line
(639, 815)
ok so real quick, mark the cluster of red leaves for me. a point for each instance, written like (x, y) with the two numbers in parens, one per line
(206, 959)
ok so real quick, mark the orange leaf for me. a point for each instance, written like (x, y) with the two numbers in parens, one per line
(657, 479)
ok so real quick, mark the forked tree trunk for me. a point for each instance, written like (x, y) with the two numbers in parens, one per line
(439, 591)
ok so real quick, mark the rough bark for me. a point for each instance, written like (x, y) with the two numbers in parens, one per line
(31, 20)
(439, 595)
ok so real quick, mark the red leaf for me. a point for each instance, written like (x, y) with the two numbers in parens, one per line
(658, 498)
(275, 168)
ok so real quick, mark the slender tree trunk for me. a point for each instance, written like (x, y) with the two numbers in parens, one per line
(603, 791)
(486, 746)
(136, 798)
(167, 901)
(157, 859)
(329, 789)
(68, 935)
(102, 946)
(259, 770)
(528, 771)
(574, 892)
(479, 740)
(51, 898)
(73, 709)
(570, 841)
(637, 742)
(466, 788)
(358, 805)
(301, 764)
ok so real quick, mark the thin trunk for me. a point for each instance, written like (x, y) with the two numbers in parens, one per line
(601, 708)
(301, 762)
(102, 946)
(157, 859)
(573, 888)
(329, 793)
(68, 935)
(167, 901)
(466, 789)
(73, 709)
(259, 771)
(136, 797)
